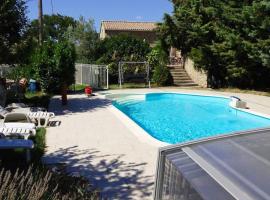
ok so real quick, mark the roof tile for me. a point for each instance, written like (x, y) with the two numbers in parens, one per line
(129, 26)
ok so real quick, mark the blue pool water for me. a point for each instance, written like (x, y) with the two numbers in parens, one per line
(176, 118)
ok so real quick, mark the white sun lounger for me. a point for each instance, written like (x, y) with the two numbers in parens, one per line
(20, 132)
(42, 118)
(17, 120)
(19, 125)
(17, 132)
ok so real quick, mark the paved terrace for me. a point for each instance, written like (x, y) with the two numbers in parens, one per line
(95, 143)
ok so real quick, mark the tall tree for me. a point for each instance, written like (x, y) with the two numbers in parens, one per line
(54, 27)
(85, 38)
(13, 23)
(227, 38)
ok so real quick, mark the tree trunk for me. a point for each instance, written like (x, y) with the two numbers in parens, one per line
(64, 94)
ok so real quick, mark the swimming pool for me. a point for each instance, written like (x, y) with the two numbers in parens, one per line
(175, 118)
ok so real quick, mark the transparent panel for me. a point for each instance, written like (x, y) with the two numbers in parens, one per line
(240, 163)
(186, 180)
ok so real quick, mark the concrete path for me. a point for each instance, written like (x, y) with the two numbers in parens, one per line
(95, 143)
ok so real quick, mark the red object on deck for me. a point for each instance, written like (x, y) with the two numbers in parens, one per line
(88, 90)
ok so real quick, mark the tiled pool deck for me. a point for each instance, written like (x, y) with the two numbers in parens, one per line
(93, 141)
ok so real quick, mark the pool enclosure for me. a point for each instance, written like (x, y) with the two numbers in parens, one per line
(235, 166)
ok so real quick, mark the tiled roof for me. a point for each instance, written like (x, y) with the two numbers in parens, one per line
(129, 26)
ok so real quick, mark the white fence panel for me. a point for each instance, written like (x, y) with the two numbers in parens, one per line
(94, 75)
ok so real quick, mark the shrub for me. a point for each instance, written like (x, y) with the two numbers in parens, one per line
(157, 59)
(54, 65)
(161, 75)
(40, 144)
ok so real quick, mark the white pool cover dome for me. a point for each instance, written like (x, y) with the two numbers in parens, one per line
(235, 166)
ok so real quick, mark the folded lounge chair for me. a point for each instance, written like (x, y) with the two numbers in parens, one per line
(42, 118)
(25, 116)
(17, 132)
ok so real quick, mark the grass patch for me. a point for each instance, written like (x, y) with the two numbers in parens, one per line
(236, 90)
(40, 144)
(37, 99)
(129, 85)
(77, 87)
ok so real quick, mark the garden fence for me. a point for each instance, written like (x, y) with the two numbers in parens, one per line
(96, 76)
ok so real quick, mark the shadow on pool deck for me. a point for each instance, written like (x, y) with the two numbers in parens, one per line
(116, 178)
(78, 105)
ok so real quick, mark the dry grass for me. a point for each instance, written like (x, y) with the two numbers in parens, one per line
(39, 184)
(25, 185)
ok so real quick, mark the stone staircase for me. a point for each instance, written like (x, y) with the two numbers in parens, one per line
(180, 76)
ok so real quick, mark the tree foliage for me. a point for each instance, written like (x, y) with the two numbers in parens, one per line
(53, 65)
(121, 48)
(158, 60)
(13, 23)
(85, 38)
(54, 27)
(227, 38)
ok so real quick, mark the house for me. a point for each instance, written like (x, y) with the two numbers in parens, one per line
(143, 30)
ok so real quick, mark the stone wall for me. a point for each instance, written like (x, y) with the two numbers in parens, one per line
(199, 77)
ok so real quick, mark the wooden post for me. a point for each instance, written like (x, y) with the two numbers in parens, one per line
(40, 20)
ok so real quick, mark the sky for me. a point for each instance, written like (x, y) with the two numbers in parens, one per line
(131, 10)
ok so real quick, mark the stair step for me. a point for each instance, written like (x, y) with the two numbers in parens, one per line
(177, 69)
(186, 84)
(178, 72)
(179, 75)
(182, 79)
(175, 66)
(186, 81)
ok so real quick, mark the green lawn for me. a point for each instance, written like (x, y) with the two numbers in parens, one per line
(77, 87)
(37, 99)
